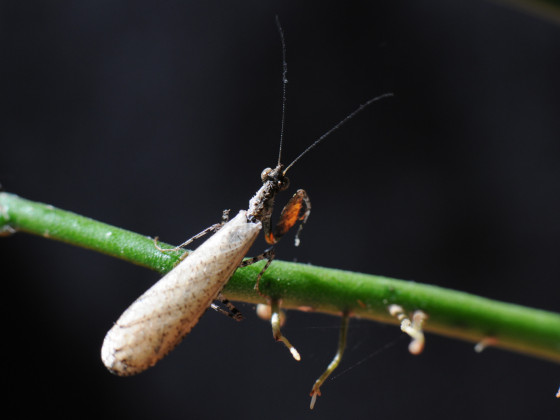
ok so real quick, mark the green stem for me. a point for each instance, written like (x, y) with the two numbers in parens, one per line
(306, 287)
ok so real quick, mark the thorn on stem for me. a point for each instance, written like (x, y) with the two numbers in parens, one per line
(316, 391)
(414, 327)
(264, 312)
(275, 321)
(484, 343)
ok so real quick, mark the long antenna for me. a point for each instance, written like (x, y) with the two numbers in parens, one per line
(284, 83)
(337, 126)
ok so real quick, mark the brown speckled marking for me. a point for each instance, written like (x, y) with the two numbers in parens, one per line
(157, 321)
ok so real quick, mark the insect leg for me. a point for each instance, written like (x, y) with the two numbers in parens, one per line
(269, 256)
(214, 228)
(297, 210)
(315, 391)
(232, 311)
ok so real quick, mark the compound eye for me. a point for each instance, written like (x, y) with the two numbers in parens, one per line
(265, 173)
(284, 183)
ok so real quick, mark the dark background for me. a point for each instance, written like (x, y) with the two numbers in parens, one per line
(156, 116)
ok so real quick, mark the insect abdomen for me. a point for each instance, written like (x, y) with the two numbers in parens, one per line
(159, 319)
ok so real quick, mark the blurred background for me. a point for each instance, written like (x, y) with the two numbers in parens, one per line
(156, 116)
